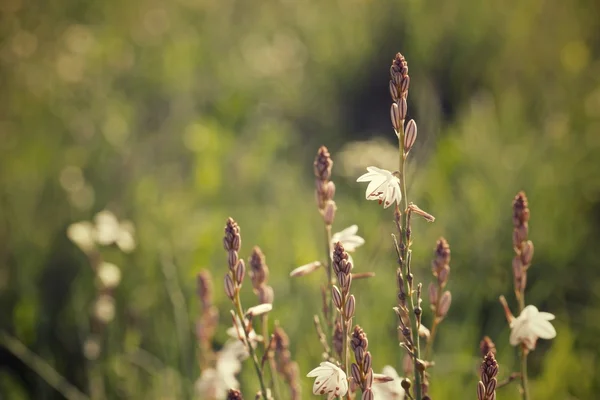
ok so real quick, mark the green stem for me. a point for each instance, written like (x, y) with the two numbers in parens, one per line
(259, 373)
(406, 260)
(524, 380)
(328, 249)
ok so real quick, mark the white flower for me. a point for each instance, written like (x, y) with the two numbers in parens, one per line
(109, 274)
(109, 230)
(306, 269)
(82, 234)
(348, 238)
(215, 382)
(331, 380)
(237, 332)
(389, 390)
(383, 186)
(531, 325)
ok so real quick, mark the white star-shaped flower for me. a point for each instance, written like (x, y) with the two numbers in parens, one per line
(530, 326)
(330, 380)
(348, 238)
(389, 390)
(383, 186)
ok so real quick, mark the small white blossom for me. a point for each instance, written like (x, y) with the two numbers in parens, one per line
(259, 309)
(348, 238)
(530, 326)
(330, 380)
(389, 390)
(82, 234)
(237, 332)
(383, 186)
(109, 274)
(215, 382)
(109, 230)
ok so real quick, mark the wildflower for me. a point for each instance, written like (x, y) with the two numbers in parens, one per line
(348, 238)
(391, 390)
(383, 186)
(331, 380)
(109, 230)
(82, 234)
(236, 332)
(531, 325)
(109, 274)
(215, 382)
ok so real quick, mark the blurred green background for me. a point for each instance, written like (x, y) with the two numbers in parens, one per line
(176, 115)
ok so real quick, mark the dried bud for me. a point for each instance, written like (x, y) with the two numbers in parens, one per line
(306, 269)
(323, 164)
(229, 287)
(416, 210)
(240, 272)
(444, 304)
(329, 212)
(527, 252)
(349, 307)
(410, 135)
(337, 297)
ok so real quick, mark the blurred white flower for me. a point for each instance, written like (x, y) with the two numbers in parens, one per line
(306, 269)
(383, 186)
(389, 390)
(82, 234)
(330, 380)
(104, 308)
(259, 309)
(109, 230)
(109, 274)
(215, 382)
(237, 332)
(348, 238)
(531, 325)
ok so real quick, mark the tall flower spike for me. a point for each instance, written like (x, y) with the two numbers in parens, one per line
(486, 388)
(362, 370)
(285, 366)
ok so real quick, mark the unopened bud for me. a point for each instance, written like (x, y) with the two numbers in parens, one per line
(527, 252)
(393, 91)
(259, 310)
(266, 294)
(433, 294)
(406, 384)
(306, 269)
(240, 272)
(232, 259)
(329, 212)
(404, 84)
(349, 307)
(337, 297)
(368, 375)
(229, 287)
(367, 395)
(410, 135)
(443, 275)
(444, 304)
(330, 190)
(367, 361)
(355, 373)
(395, 116)
(481, 391)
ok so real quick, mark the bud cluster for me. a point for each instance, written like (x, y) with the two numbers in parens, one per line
(487, 346)
(259, 274)
(486, 388)
(342, 299)
(362, 371)
(325, 188)
(440, 268)
(237, 269)
(285, 365)
(522, 246)
(399, 82)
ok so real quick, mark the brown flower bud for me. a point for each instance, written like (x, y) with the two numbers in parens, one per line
(527, 252)
(329, 213)
(266, 294)
(367, 361)
(367, 395)
(323, 164)
(433, 294)
(396, 117)
(337, 297)
(355, 371)
(349, 307)
(394, 91)
(229, 287)
(444, 304)
(410, 135)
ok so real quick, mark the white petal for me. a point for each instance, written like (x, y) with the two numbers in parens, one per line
(518, 331)
(375, 186)
(543, 329)
(324, 366)
(368, 177)
(546, 316)
(259, 309)
(529, 312)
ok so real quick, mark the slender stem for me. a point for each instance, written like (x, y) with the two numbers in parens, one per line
(328, 249)
(524, 380)
(259, 373)
(406, 260)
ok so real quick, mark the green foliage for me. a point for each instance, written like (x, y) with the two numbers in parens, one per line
(179, 114)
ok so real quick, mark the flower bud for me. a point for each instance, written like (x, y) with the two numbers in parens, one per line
(329, 213)
(433, 294)
(259, 310)
(229, 287)
(481, 391)
(444, 304)
(367, 395)
(349, 307)
(355, 373)
(410, 135)
(404, 84)
(393, 91)
(527, 252)
(266, 294)
(232, 259)
(368, 375)
(240, 272)
(337, 297)
(330, 190)
(395, 116)
(443, 275)
(367, 361)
